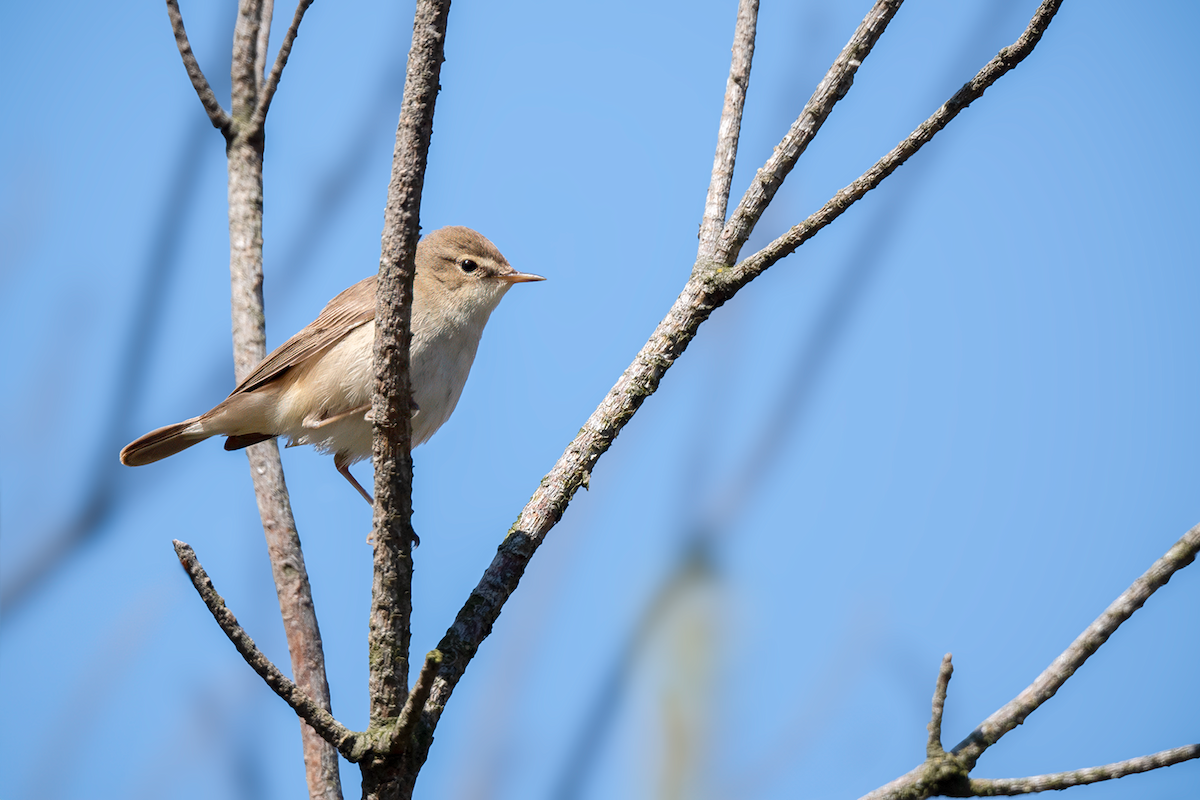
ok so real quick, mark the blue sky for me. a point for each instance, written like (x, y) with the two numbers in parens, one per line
(972, 397)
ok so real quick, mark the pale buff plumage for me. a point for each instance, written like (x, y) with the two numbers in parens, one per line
(316, 388)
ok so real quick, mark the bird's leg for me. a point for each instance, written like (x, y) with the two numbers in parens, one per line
(343, 466)
(314, 422)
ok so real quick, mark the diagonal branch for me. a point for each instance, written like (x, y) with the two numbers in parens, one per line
(321, 720)
(272, 82)
(220, 119)
(1004, 61)
(1014, 712)
(829, 91)
(730, 128)
(1080, 777)
(708, 288)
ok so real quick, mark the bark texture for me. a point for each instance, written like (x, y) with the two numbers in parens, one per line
(393, 772)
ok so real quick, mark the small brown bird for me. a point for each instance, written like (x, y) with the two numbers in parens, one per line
(316, 388)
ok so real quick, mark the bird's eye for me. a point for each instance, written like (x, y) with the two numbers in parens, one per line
(467, 265)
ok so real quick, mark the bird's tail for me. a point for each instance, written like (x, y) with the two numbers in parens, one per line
(157, 445)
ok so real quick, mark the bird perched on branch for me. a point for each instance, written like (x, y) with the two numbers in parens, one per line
(316, 388)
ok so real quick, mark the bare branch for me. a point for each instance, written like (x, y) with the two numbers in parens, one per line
(1079, 777)
(1007, 58)
(245, 156)
(244, 79)
(1014, 713)
(411, 715)
(272, 83)
(708, 288)
(391, 602)
(296, 608)
(264, 40)
(729, 129)
(946, 773)
(829, 91)
(266, 469)
(220, 119)
(321, 720)
(933, 748)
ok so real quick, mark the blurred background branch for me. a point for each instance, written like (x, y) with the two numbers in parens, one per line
(106, 484)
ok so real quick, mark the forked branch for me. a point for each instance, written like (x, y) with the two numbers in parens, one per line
(829, 91)
(946, 773)
(242, 129)
(710, 285)
(267, 94)
(1031, 698)
(1005, 60)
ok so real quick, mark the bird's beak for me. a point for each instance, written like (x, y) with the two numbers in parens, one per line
(519, 277)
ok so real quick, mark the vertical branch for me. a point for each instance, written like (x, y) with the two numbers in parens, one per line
(391, 601)
(292, 587)
(730, 128)
(245, 81)
(264, 39)
(245, 155)
(933, 746)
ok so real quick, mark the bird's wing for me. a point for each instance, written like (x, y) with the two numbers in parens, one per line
(344, 313)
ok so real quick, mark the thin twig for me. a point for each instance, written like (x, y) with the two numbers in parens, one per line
(272, 83)
(729, 129)
(1004, 61)
(829, 91)
(1014, 712)
(321, 720)
(220, 119)
(264, 41)
(1063, 780)
(411, 714)
(933, 747)
(705, 291)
